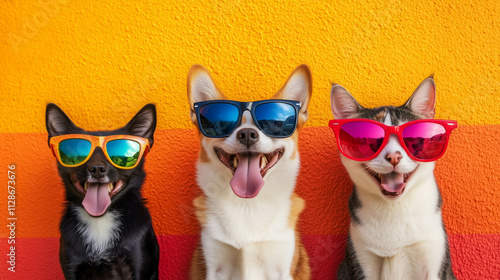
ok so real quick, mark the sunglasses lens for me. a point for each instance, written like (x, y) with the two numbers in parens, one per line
(425, 140)
(276, 119)
(218, 119)
(124, 153)
(360, 140)
(74, 151)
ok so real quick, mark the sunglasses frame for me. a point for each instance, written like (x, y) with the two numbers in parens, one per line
(99, 141)
(247, 106)
(448, 125)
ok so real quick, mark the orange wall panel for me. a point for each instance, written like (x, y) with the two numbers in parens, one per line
(469, 204)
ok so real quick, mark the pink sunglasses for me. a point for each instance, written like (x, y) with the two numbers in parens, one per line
(363, 139)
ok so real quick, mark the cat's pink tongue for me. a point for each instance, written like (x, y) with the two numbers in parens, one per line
(392, 183)
(96, 199)
(247, 180)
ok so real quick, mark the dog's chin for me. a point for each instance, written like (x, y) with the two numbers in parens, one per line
(392, 184)
(266, 160)
(97, 195)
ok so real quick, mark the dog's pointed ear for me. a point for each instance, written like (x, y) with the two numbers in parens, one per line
(143, 124)
(343, 103)
(298, 87)
(423, 99)
(201, 87)
(57, 122)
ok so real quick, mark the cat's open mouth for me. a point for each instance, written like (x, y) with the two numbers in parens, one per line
(391, 184)
(249, 169)
(97, 195)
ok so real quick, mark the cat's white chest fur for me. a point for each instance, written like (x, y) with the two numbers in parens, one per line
(386, 228)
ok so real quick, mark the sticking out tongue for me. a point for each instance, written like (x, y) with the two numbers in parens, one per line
(392, 183)
(247, 180)
(96, 199)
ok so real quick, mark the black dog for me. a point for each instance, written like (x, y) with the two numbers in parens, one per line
(105, 237)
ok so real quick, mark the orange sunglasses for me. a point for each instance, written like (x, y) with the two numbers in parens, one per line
(122, 151)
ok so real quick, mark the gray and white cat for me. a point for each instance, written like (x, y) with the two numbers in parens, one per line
(401, 236)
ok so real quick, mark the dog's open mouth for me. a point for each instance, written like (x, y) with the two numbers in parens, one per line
(97, 195)
(248, 170)
(392, 183)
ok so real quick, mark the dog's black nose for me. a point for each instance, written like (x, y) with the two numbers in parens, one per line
(97, 169)
(248, 136)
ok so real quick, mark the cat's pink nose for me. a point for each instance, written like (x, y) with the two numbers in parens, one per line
(393, 158)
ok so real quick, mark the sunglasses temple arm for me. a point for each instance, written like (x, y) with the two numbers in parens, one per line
(53, 150)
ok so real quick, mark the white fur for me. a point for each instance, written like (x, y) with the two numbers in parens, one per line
(99, 233)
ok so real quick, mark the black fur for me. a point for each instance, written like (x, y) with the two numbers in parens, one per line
(350, 267)
(354, 204)
(446, 272)
(440, 201)
(401, 113)
(134, 254)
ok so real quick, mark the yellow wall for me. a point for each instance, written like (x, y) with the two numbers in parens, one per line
(98, 59)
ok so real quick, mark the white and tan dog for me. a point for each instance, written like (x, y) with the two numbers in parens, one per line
(249, 238)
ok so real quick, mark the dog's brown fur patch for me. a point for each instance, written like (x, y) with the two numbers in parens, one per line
(200, 209)
(203, 157)
(296, 208)
(295, 152)
(198, 269)
(300, 264)
(300, 270)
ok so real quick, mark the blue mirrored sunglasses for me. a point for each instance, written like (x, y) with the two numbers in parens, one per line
(274, 117)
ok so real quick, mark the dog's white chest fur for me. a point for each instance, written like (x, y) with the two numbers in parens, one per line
(249, 238)
(249, 221)
(251, 242)
(99, 233)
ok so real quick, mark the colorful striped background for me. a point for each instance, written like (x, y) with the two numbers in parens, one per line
(101, 61)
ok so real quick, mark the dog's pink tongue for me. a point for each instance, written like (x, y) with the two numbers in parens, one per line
(392, 183)
(247, 180)
(96, 199)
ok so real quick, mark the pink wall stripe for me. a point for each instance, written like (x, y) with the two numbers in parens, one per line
(474, 256)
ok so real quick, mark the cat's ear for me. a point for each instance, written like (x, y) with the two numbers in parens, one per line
(423, 99)
(57, 122)
(201, 87)
(343, 104)
(143, 124)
